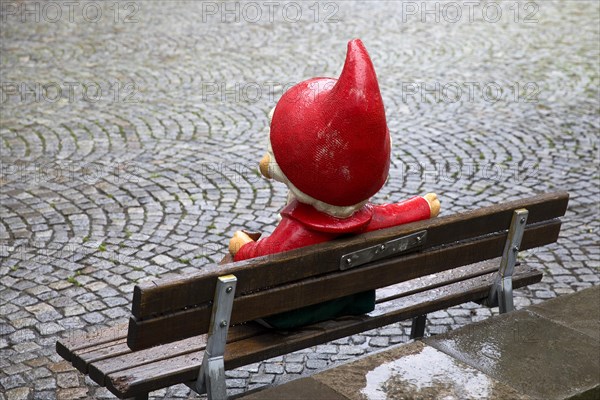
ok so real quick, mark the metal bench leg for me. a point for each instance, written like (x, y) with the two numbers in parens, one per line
(418, 327)
(211, 378)
(501, 293)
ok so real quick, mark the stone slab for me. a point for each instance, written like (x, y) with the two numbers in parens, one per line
(305, 388)
(579, 311)
(413, 371)
(532, 354)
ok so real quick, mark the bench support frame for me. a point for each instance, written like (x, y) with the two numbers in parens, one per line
(211, 378)
(501, 293)
(417, 330)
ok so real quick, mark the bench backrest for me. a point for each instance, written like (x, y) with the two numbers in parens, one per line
(176, 308)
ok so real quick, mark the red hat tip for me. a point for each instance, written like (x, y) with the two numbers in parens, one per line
(332, 142)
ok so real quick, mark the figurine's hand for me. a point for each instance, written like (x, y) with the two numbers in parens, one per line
(239, 239)
(434, 204)
(264, 166)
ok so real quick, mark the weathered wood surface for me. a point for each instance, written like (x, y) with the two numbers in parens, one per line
(176, 326)
(80, 341)
(82, 358)
(433, 281)
(170, 295)
(147, 374)
(100, 368)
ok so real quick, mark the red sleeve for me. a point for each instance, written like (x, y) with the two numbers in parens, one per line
(388, 215)
(288, 235)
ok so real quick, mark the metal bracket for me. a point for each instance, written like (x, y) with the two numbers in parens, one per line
(211, 378)
(377, 252)
(501, 293)
(418, 326)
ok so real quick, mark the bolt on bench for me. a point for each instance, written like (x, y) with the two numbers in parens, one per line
(191, 329)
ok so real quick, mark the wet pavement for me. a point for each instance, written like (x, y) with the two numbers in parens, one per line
(130, 133)
(550, 352)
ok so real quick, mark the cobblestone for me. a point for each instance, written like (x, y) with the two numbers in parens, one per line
(274, 368)
(294, 368)
(96, 196)
(18, 394)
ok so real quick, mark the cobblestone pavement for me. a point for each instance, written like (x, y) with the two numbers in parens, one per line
(130, 132)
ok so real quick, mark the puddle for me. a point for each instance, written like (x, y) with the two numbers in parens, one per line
(488, 353)
(429, 373)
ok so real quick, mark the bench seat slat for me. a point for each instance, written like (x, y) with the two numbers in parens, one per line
(143, 334)
(173, 294)
(80, 341)
(444, 278)
(183, 368)
(82, 359)
(98, 370)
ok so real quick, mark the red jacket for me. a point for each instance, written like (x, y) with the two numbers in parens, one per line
(302, 225)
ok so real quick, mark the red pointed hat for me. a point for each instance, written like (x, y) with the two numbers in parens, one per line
(329, 136)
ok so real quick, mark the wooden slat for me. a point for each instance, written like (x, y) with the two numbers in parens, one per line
(184, 368)
(99, 369)
(170, 295)
(177, 326)
(434, 281)
(81, 340)
(81, 359)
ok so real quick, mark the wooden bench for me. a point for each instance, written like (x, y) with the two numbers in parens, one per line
(178, 327)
